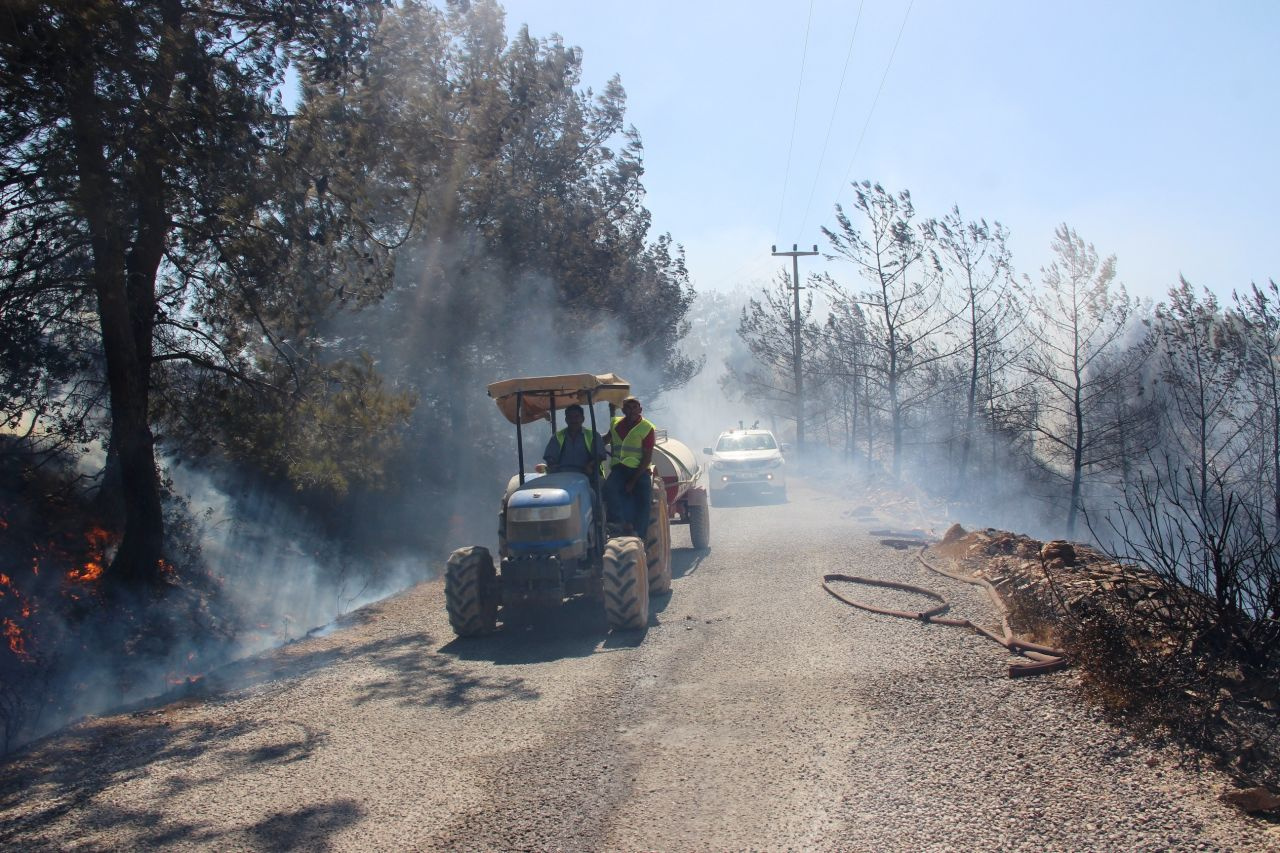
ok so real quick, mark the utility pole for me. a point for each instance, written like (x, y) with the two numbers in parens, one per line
(796, 354)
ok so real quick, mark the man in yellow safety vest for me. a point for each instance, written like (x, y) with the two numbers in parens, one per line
(628, 490)
(573, 448)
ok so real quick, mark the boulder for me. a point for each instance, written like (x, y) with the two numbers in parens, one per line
(1059, 551)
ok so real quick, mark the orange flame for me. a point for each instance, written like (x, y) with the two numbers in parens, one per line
(17, 644)
(97, 538)
(6, 583)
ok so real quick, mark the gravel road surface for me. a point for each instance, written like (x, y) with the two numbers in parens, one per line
(756, 712)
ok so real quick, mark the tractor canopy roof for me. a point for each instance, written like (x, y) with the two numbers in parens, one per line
(538, 395)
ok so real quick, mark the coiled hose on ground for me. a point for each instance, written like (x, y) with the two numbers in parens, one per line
(1042, 659)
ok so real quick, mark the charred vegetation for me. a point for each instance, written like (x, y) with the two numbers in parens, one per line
(1152, 650)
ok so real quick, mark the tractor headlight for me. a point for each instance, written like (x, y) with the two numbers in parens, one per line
(540, 513)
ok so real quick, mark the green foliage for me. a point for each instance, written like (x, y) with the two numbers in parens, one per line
(502, 185)
(511, 201)
(337, 434)
(137, 169)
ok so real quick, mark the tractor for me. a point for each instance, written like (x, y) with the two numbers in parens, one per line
(554, 541)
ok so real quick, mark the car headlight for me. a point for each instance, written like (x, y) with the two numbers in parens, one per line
(774, 463)
(540, 513)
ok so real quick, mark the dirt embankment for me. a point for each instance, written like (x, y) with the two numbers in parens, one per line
(1124, 627)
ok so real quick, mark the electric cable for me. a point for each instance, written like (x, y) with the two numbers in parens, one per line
(876, 100)
(795, 116)
(835, 108)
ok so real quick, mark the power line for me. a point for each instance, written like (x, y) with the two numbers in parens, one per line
(876, 100)
(835, 107)
(795, 115)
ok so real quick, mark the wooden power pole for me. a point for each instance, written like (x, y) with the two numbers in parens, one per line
(796, 354)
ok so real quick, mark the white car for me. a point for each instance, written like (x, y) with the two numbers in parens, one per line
(747, 460)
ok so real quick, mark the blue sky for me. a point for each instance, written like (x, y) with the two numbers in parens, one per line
(1151, 128)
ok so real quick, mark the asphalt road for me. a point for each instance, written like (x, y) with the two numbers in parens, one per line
(755, 712)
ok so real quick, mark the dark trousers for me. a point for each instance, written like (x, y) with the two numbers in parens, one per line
(631, 507)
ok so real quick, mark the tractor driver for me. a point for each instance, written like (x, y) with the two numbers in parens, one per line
(628, 490)
(574, 448)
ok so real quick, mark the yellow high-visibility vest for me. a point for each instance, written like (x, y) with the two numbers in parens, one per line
(586, 439)
(628, 451)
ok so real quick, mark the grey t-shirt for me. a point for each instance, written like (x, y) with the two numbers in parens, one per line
(574, 457)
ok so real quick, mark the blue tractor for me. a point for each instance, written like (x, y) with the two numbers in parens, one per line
(554, 541)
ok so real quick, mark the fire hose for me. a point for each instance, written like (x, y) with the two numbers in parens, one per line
(1043, 659)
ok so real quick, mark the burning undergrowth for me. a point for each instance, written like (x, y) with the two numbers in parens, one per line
(247, 574)
(72, 643)
(1141, 653)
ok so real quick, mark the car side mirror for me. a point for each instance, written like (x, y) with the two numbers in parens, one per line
(708, 451)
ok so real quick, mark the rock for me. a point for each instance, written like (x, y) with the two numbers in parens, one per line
(1059, 549)
(1256, 799)
(954, 534)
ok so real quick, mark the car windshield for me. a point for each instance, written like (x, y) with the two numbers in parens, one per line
(745, 442)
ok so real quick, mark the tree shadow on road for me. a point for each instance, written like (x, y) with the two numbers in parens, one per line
(573, 629)
(64, 775)
(306, 828)
(416, 675)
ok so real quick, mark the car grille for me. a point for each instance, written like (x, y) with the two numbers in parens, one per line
(747, 464)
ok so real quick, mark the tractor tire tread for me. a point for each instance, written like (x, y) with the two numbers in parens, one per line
(626, 587)
(468, 591)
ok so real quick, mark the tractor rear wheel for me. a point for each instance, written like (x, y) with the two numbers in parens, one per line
(626, 589)
(657, 544)
(700, 526)
(470, 593)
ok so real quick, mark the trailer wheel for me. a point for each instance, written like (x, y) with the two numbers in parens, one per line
(626, 590)
(657, 544)
(700, 526)
(470, 593)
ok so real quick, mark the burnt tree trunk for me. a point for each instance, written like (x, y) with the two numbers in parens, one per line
(124, 210)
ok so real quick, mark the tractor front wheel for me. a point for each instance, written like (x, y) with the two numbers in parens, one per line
(470, 592)
(626, 589)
